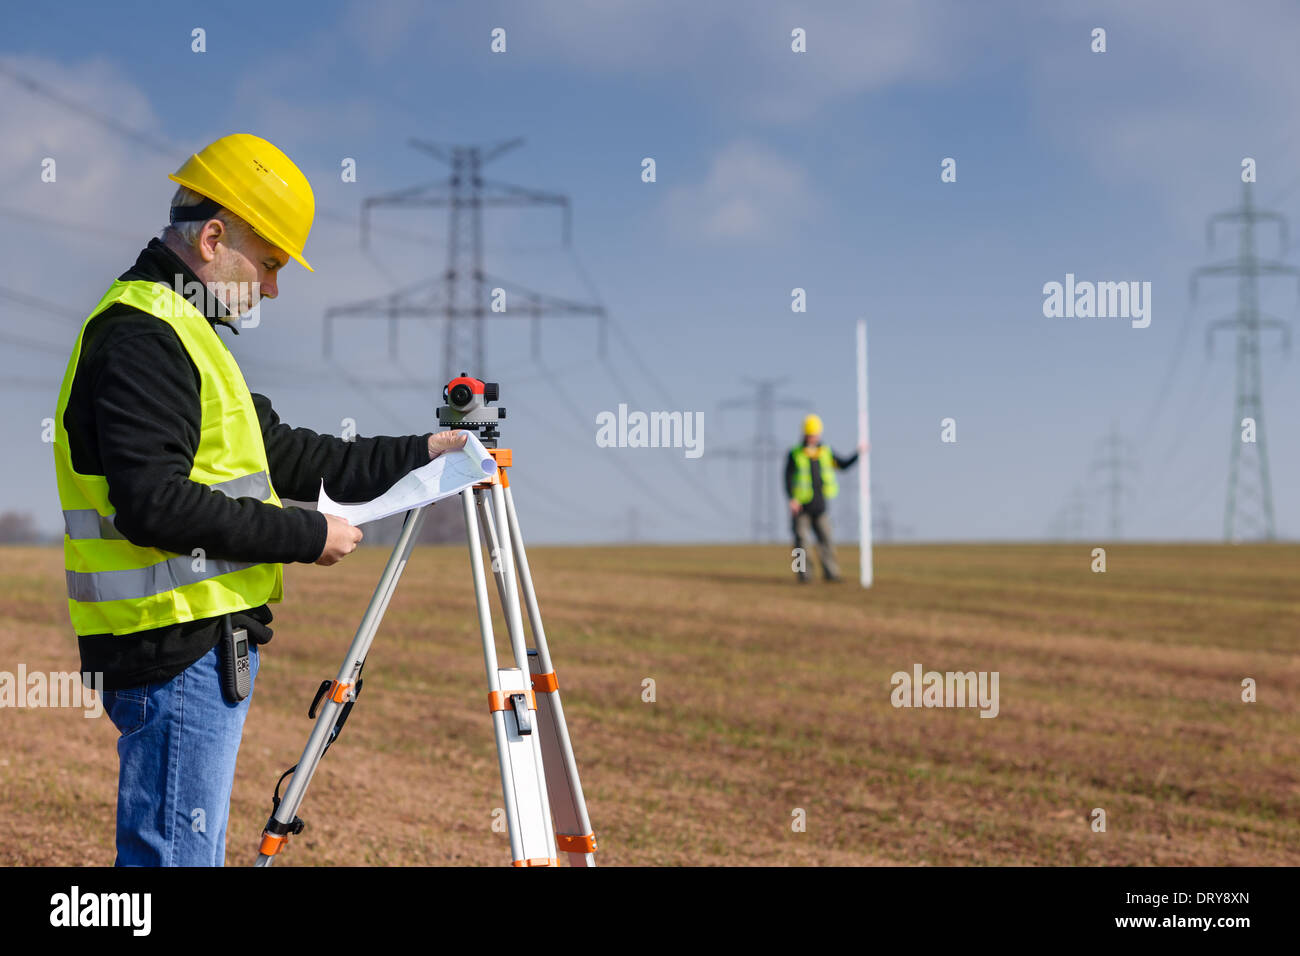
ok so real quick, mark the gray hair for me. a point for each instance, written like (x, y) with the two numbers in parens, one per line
(188, 232)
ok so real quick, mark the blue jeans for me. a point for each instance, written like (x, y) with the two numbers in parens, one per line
(177, 749)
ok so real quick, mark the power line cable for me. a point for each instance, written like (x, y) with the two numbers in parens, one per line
(671, 508)
(40, 305)
(65, 224)
(1175, 358)
(701, 488)
(34, 345)
(164, 147)
(40, 89)
(596, 297)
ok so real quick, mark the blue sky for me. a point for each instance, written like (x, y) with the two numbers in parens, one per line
(775, 170)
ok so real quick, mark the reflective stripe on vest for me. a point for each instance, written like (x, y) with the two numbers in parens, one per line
(803, 489)
(86, 523)
(119, 587)
(144, 582)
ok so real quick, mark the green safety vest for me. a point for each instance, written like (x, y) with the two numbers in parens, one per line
(117, 587)
(803, 489)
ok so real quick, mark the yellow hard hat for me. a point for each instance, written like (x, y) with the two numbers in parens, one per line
(812, 425)
(258, 183)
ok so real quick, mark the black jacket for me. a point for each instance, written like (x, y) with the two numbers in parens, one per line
(133, 416)
(818, 503)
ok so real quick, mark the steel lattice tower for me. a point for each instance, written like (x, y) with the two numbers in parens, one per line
(764, 450)
(459, 295)
(1114, 456)
(1249, 505)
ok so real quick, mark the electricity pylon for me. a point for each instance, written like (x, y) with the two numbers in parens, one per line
(1250, 496)
(460, 294)
(764, 450)
(1115, 457)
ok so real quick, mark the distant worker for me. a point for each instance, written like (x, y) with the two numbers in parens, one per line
(809, 484)
(169, 476)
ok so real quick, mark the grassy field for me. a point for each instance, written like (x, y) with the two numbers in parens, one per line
(1119, 691)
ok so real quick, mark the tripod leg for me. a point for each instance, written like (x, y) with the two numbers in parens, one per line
(503, 571)
(513, 722)
(488, 528)
(572, 826)
(515, 626)
(340, 694)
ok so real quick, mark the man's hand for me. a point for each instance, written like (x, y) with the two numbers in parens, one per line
(446, 441)
(794, 507)
(340, 541)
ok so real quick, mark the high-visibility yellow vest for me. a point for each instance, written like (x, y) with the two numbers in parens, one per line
(803, 488)
(117, 587)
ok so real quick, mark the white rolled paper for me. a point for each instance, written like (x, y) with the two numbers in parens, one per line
(448, 474)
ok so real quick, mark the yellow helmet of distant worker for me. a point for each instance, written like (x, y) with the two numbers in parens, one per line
(259, 184)
(812, 425)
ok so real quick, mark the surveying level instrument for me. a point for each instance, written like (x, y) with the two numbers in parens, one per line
(546, 813)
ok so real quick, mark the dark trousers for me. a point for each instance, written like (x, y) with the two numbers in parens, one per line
(819, 524)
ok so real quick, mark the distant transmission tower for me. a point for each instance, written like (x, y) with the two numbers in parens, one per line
(1114, 457)
(1250, 495)
(883, 526)
(764, 450)
(1076, 513)
(1071, 517)
(460, 294)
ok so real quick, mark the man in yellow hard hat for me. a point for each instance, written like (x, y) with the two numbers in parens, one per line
(169, 474)
(809, 484)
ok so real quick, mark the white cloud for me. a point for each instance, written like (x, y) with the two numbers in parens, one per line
(1186, 90)
(750, 193)
(855, 48)
(735, 56)
(102, 177)
(116, 187)
(380, 30)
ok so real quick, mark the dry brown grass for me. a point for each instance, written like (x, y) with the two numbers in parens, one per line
(1118, 690)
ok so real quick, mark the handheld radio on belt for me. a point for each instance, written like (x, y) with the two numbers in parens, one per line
(236, 673)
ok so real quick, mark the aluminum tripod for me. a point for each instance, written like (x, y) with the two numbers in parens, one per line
(539, 776)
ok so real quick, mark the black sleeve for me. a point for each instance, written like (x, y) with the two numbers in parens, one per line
(844, 462)
(789, 475)
(355, 470)
(147, 422)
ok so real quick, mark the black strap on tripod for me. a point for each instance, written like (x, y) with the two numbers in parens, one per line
(285, 829)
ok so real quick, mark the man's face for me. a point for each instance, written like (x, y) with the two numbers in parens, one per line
(245, 268)
(813, 440)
